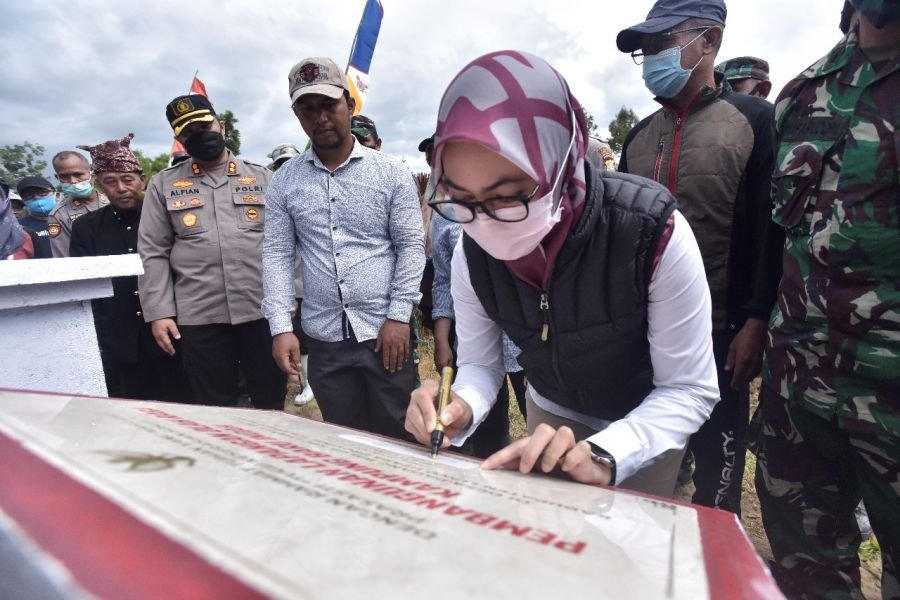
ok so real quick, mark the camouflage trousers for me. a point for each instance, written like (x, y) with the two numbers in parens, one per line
(810, 475)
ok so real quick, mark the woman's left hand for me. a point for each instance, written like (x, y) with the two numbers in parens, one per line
(553, 449)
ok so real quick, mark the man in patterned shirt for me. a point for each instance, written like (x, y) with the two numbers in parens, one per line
(831, 401)
(353, 215)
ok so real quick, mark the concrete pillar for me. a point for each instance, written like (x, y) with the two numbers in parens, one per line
(47, 333)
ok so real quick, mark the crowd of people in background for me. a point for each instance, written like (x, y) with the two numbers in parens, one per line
(626, 302)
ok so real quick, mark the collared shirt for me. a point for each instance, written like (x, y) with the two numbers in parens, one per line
(834, 340)
(59, 225)
(200, 240)
(680, 336)
(445, 235)
(359, 233)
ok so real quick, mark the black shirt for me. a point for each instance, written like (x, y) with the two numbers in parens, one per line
(124, 337)
(37, 229)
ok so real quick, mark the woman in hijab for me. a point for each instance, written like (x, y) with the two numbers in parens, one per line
(595, 276)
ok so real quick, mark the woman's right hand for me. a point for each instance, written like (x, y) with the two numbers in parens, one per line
(421, 416)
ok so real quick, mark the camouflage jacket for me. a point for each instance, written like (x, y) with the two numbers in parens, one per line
(834, 340)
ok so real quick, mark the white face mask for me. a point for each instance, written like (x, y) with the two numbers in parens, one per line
(509, 241)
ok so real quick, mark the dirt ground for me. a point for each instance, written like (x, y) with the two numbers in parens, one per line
(870, 554)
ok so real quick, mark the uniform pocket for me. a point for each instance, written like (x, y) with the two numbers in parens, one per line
(794, 182)
(187, 215)
(251, 210)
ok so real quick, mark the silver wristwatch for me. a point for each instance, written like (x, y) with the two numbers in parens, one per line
(602, 457)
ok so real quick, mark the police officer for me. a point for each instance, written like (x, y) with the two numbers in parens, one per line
(73, 171)
(200, 240)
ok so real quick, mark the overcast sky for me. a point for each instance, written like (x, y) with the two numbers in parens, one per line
(84, 71)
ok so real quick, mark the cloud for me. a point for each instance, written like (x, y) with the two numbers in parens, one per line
(91, 70)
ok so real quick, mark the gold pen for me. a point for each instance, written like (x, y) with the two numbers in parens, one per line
(437, 436)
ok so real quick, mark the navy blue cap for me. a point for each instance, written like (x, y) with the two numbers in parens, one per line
(666, 14)
(33, 182)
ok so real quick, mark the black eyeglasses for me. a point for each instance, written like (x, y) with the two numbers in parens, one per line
(653, 47)
(508, 209)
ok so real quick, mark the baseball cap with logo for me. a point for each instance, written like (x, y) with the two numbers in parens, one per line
(184, 110)
(666, 14)
(316, 75)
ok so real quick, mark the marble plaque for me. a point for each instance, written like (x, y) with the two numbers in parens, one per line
(274, 505)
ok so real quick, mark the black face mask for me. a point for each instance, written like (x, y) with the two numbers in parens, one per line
(205, 145)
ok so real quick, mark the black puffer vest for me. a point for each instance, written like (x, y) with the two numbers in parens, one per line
(584, 341)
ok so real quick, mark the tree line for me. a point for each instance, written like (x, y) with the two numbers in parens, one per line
(25, 159)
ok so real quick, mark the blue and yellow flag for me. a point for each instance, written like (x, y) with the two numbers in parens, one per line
(363, 49)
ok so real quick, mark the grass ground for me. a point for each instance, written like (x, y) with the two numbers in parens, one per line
(870, 554)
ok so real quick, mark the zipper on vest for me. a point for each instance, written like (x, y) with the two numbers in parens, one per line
(545, 336)
(659, 158)
(545, 310)
(676, 150)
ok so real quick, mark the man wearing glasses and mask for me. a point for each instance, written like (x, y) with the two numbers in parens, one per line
(712, 148)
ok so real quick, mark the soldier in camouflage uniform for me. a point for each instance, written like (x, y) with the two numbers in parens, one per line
(747, 75)
(831, 405)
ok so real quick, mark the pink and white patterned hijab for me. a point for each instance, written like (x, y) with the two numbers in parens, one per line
(517, 105)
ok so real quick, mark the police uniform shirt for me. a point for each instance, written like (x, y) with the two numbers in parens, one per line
(59, 225)
(200, 240)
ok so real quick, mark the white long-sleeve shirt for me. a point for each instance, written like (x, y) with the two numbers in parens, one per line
(680, 337)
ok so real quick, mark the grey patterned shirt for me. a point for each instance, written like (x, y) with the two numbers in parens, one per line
(359, 233)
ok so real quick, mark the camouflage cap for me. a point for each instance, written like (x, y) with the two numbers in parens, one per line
(878, 12)
(363, 125)
(114, 156)
(744, 67)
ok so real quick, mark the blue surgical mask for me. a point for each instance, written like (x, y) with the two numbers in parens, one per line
(42, 206)
(663, 74)
(82, 189)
